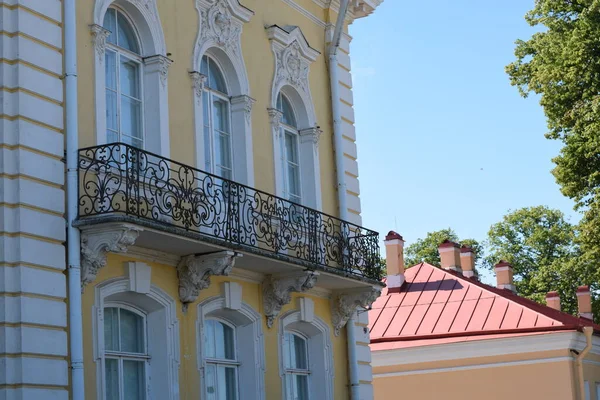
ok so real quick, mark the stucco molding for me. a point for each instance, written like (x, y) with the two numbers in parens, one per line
(345, 304)
(311, 135)
(99, 36)
(275, 117)
(162, 64)
(96, 243)
(194, 272)
(243, 103)
(277, 291)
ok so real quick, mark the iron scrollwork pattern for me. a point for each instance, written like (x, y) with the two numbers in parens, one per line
(120, 179)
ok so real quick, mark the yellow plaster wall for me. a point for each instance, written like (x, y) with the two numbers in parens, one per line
(180, 24)
(165, 277)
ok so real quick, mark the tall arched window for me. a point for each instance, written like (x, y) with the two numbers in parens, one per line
(123, 68)
(125, 353)
(221, 361)
(297, 371)
(217, 120)
(291, 149)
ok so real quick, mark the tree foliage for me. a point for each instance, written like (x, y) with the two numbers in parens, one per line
(426, 249)
(543, 250)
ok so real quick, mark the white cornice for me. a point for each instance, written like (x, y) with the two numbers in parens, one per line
(483, 348)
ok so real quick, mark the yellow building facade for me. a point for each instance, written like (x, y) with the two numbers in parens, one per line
(202, 154)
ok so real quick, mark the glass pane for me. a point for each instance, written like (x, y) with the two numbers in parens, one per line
(294, 180)
(130, 78)
(289, 387)
(225, 173)
(220, 115)
(204, 66)
(133, 380)
(110, 69)
(211, 382)
(301, 387)
(127, 38)
(112, 136)
(215, 77)
(299, 355)
(223, 150)
(227, 383)
(207, 138)
(112, 121)
(110, 24)
(209, 339)
(291, 147)
(288, 117)
(111, 378)
(224, 341)
(131, 117)
(111, 329)
(132, 332)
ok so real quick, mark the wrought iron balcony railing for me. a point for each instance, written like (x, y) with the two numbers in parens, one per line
(124, 180)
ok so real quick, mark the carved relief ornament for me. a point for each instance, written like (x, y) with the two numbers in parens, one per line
(345, 304)
(277, 291)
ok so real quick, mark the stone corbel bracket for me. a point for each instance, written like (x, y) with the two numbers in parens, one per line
(344, 304)
(96, 243)
(194, 272)
(277, 291)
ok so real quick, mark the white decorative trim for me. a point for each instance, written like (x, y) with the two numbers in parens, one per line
(99, 36)
(162, 64)
(512, 288)
(194, 273)
(198, 84)
(277, 291)
(346, 303)
(140, 277)
(154, 256)
(96, 243)
(482, 348)
(395, 281)
(320, 353)
(252, 351)
(119, 289)
(305, 12)
(243, 103)
(233, 295)
(311, 135)
(476, 366)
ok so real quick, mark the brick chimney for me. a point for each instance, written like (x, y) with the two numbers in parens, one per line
(584, 300)
(467, 262)
(394, 251)
(504, 276)
(450, 255)
(553, 300)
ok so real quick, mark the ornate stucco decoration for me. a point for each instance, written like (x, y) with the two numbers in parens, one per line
(96, 243)
(357, 9)
(162, 64)
(198, 84)
(345, 304)
(194, 272)
(293, 57)
(99, 36)
(275, 117)
(245, 103)
(312, 135)
(221, 23)
(277, 291)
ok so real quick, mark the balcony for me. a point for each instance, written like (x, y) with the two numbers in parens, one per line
(183, 210)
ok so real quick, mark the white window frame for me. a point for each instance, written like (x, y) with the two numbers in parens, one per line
(120, 356)
(294, 132)
(221, 362)
(162, 341)
(137, 58)
(295, 372)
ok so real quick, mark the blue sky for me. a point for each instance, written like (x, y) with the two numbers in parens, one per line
(444, 140)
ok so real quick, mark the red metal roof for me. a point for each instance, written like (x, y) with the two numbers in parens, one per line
(439, 305)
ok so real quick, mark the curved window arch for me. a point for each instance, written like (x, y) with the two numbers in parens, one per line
(125, 352)
(217, 120)
(123, 71)
(290, 150)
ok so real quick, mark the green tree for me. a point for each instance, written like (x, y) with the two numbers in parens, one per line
(543, 250)
(426, 250)
(561, 63)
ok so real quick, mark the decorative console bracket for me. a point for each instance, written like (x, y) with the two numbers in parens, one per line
(96, 243)
(345, 304)
(194, 272)
(277, 291)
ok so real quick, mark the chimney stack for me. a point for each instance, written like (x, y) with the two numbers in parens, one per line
(553, 300)
(584, 299)
(504, 276)
(467, 262)
(394, 250)
(450, 255)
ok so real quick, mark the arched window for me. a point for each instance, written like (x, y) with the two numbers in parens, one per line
(291, 149)
(221, 360)
(217, 120)
(297, 371)
(125, 353)
(123, 66)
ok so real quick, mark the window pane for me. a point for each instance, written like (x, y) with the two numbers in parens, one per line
(111, 329)
(111, 369)
(299, 353)
(223, 150)
(291, 147)
(126, 39)
(289, 387)
(204, 66)
(211, 382)
(227, 383)
(301, 387)
(130, 78)
(224, 341)
(207, 137)
(215, 77)
(224, 173)
(133, 380)
(132, 332)
(110, 69)
(220, 115)
(209, 339)
(110, 24)
(288, 117)
(112, 121)
(131, 116)
(294, 181)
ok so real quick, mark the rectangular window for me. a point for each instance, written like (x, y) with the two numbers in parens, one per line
(221, 364)
(296, 365)
(292, 167)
